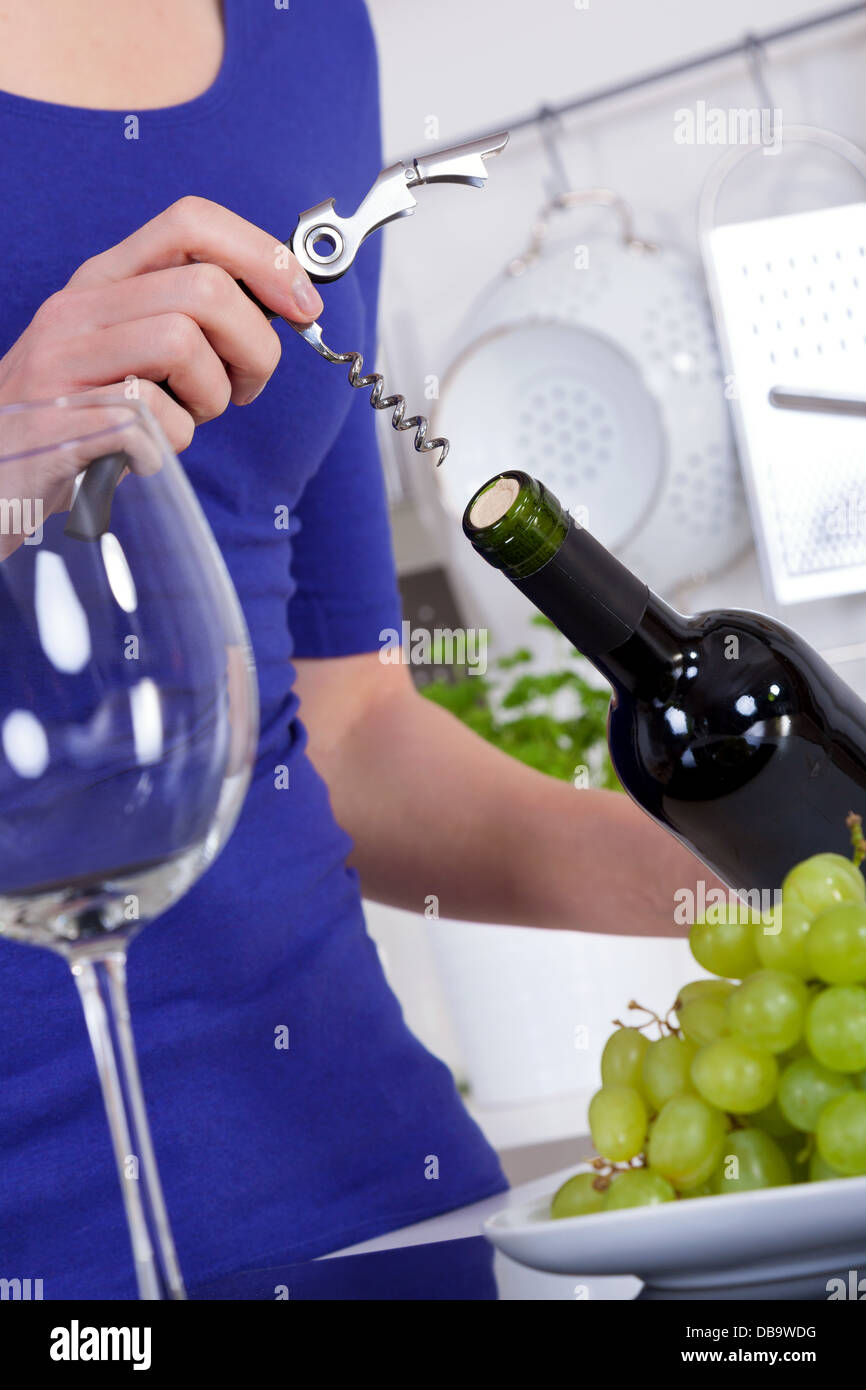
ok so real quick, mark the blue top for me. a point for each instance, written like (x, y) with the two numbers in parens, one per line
(267, 1156)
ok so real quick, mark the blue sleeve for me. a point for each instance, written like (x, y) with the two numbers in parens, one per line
(342, 559)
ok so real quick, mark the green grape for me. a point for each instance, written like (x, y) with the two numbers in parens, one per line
(726, 947)
(805, 1087)
(700, 1009)
(820, 1170)
(781, 940)
(701, 989)
(686, 1142)
(622, 1057)
(666, 1070)
(823, 880)
(772, 1121)
(836, 944)
(638, 1188)
(796, 1148)
(577, 1197)
(769, 1008)
(617, 1122)
(841, 1134)
(751, 1159)
(705, 1190)
(735, 1075)
(836, 1027)
(800, 1048)
(705, 1019)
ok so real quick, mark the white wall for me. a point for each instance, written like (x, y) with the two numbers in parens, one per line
(479, 61)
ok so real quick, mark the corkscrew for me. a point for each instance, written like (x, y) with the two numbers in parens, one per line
(325, 244)
(396, 403)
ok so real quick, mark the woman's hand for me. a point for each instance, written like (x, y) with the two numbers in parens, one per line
(163, 305)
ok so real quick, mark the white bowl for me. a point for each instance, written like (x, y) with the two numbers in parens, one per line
(702, 1242)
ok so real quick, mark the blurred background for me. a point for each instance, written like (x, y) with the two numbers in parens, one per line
(626, 360)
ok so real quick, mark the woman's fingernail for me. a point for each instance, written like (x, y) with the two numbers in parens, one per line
(307, 298)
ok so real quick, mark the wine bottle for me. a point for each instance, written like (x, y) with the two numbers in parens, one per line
(726, 727)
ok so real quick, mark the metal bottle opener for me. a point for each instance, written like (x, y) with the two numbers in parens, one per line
(326, 245)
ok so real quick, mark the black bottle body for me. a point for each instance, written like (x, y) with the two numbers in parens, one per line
(734, 734)
(727, 728)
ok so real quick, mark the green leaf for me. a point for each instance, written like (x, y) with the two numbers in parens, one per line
(519, 718)
(517, 658)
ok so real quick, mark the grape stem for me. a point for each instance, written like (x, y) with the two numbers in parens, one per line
(607, 1171)
(858, 842)
(673, 1027)
(664, 1024)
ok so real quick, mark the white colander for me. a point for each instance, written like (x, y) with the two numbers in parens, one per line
(596, 369)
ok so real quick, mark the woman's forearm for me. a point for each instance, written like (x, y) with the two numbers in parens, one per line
(437, 813)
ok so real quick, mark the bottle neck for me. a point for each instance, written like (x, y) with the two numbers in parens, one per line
(628, 633)
(608, 614)
(659, 644)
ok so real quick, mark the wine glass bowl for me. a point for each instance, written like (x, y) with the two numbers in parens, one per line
(128, 718)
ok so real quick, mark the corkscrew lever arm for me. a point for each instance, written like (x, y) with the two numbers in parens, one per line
(326, 244)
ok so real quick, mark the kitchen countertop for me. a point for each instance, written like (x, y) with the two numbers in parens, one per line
(514, 1282)
(447, 1259)
(444, 1258)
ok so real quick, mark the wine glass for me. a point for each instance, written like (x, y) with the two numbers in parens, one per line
(128, 726)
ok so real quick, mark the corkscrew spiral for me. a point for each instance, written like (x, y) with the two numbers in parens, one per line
(396, 404)
(376, 382)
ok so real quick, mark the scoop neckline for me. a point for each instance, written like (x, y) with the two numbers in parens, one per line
(212, 97)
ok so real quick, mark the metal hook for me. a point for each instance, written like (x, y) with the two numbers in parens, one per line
(756, 57)
(550, 127)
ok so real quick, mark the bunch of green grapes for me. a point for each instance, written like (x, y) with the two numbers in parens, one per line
(758, 1075)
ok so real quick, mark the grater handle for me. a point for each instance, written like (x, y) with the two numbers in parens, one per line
(794, 134)
(820, 402)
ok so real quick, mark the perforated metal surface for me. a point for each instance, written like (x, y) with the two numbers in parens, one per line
(575, 437)
(626, 415)
(571, 429)
(791, 295)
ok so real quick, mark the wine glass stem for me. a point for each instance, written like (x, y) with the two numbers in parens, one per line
(102, 987)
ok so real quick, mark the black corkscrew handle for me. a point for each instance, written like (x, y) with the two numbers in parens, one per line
(90, 514)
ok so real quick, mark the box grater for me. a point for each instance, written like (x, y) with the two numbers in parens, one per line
(789, 296)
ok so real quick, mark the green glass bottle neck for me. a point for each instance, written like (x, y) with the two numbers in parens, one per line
(526, 536)
(521, 529)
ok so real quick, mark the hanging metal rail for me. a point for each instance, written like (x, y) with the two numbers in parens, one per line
(748, 46)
